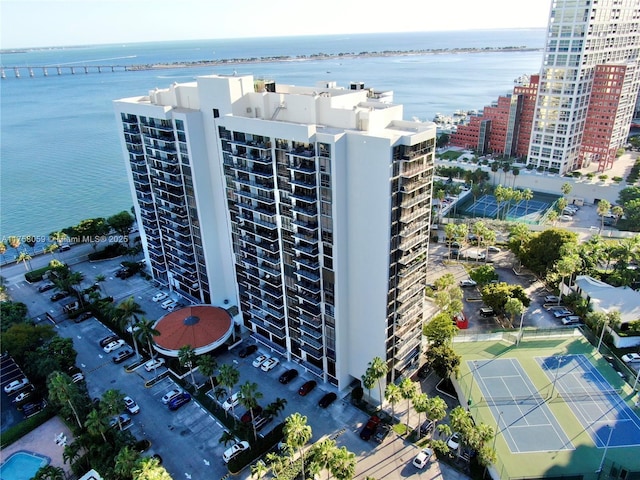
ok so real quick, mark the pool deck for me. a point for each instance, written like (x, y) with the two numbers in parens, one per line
(42, 441)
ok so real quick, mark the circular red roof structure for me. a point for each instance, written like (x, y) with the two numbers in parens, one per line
(203, 327)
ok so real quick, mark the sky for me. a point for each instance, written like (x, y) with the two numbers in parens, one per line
(43, 23)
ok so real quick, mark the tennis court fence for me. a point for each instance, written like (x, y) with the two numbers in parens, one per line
(538, 398)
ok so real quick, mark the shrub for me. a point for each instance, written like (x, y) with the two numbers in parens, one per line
(590, 175)
(110, 251)
(576, 174)
(617, 179)
(603, 177)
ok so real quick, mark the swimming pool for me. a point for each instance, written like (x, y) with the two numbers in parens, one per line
(22, 465)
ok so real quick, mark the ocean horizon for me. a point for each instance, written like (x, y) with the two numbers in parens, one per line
(61, 159)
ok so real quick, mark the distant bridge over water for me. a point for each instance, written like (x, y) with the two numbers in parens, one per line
(51, 70)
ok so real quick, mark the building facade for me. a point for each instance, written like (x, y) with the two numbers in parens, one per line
(589, 84)
(308, 207)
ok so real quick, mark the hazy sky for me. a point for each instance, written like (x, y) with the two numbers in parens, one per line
(39, 23)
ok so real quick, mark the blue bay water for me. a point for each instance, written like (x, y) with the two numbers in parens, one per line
(60, 154)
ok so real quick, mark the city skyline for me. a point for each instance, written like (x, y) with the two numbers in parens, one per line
(53, 23)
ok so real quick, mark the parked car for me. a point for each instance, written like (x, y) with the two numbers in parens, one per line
(115, 345)
(423, 371)
(166, 303)
(153, 364)
(287, 376)
(551, 299)
(370, 427)
(33, 408)
(454, 441)
(494, 249)
(259, 360)
(327, 400)
(125, 421)
(270, 364)
(246, 416)
(175, 306)
(248, 350)
(171, 394)
(16, 385)
(234, 451)
(487, 312)
(131, 405)
(83, 316)
(422, 458)
(179, 400)
(77, 377)
(261, 421)
(58, 296)
(21, 397)
(562, 313)
(565, 218)
(108, 339)
(122, 355)
(307, 387)
(159, 296)
(232, 402)
(571, 320)
(631, 358)
(426, 427)
(382, 432)
(124, 273)
(45, 287)
(468, 283)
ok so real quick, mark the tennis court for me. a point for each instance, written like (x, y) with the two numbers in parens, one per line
(487, 206)
(597, 406)
(522, 416)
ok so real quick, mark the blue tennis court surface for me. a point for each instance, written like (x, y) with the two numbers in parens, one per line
(487, 206)
(522, 416)
(599, 408)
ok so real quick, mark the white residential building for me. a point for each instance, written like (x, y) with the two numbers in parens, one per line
(308, 207)
(589, 83)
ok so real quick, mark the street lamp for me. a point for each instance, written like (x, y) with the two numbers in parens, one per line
(475, 367)
(604, 325)
(520, 330)
(606, 447)
(495, 437)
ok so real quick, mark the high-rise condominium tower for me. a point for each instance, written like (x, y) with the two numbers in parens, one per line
(309, 208)
(589, 82)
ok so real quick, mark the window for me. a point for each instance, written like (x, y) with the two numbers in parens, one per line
(216, 113)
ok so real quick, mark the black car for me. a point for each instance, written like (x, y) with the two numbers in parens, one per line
(125, 273)
(83, 316)
(327, 400)
(307, 387)
(370, 428)
(179, 400)
(107, 340)
(381, 432)
(248, 350)
(58, 296)
(247, 417)
(287, 376)
(45, 287)
(423, 371)
(122, 355)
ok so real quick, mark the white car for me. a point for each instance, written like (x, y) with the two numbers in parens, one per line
(171, 394)
(259, 360)
(153, 364)
(16, 385)
(422, 458)
(494, 249)
(166, 303)
(551, 299)
(159, 296)
(21, 396)
(468, 283)
(235, 450)
(631, 358)
(110, 347)
(131, 406)
(454, 441)
(270, 364)
(565, 218)
(232, 402)
(77, 377)
(570, 320)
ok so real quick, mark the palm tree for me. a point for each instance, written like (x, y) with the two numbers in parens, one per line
(408, 389)
(275, 407)
(500, 194)
(259, 469)
(3, 249)
(297, 433)
(58, 237)
(63, 391)
(603, 208)
(249, 396)
(148, 468)
(226, 438)
(14, 242)
(420, 405)
(126, 461)
(146, 332)
(393, 395)
(126, 313)
(111, 404)
(379, 369)
(24, 257)
(187, 358)
(100, 279)
(49, 472)
(343, 466)
(617, 211)
(368, 381)
(95, 424)
(51, 248)
(229, 376)
(527, 194)
(436, 409)
(323, 454)
(207, 366)
(566, 188)
(276, 462)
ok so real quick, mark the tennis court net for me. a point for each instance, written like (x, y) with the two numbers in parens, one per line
(532, 399)
(595, 395)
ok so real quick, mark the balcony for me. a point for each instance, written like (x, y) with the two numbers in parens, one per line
(313, 288)
(305, 210)
(309, 309)
(305, 181)
(312, 332)
(313, 265)
(311, 226)
(269, 200)
(264, 185)
(256, 221)
(409, 201)
(312, 239)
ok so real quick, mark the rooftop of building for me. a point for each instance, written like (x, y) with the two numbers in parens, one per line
(607, 298)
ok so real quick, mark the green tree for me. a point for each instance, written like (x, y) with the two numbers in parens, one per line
(323, 453)
(527, 195)
(436, 409)
(58, 237)
(93, 229)
(62, 391)
(229, 376)
(25, 258)
(566, 188)
(496, 295)
(49, 472)
(378, 369)
(368, 381)
(542, 250)
(95, 424)
(343, 466)
(603, 209)
(187, 358)
(297, 433)
(12, 313)
(148, 468)
(126, 315)
(440, 330)
(420, 405)
(207, 366)
(393, 395)
(483, 275)
(443, 360)
(112, 403)
(249, 399)
(121, 223)
(146, 332)
(126, 461)
(408, 389)
(259, 469)
(21, 338)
